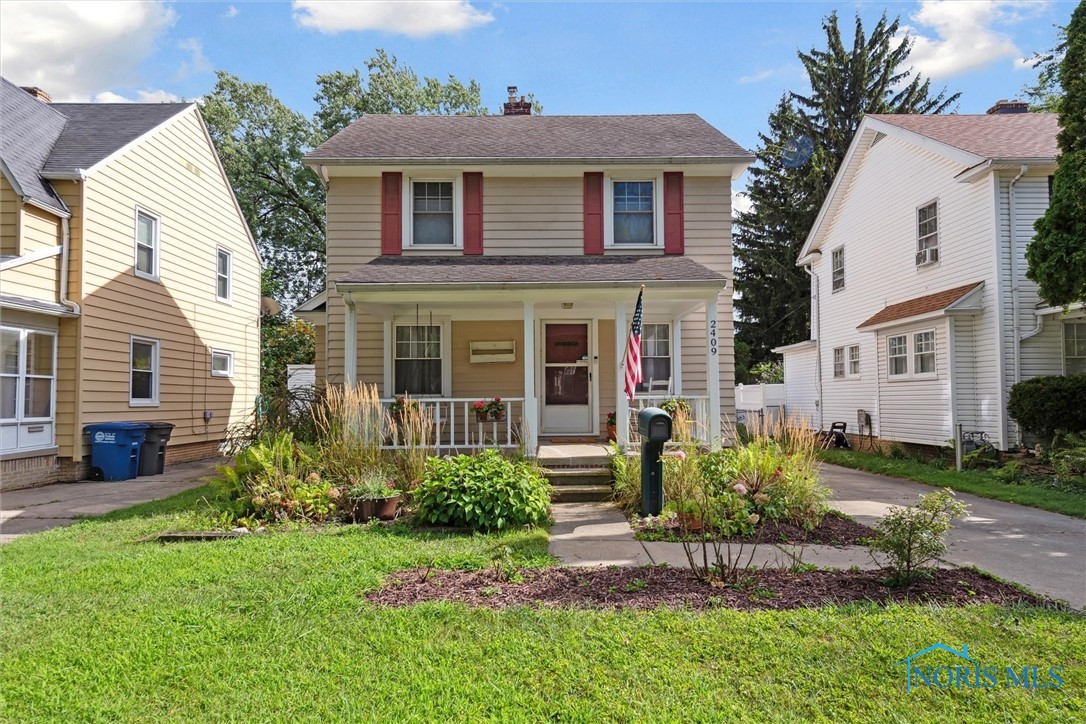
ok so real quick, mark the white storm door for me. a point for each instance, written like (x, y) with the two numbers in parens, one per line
(567, 378)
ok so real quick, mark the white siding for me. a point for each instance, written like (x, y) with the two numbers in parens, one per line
(800, 386)
(915, 410)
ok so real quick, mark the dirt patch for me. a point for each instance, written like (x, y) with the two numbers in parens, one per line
(652, 587)
(834, 530)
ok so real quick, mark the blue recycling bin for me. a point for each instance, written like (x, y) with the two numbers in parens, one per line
(115, 448)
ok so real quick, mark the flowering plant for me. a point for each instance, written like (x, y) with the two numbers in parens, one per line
(492, 407)
(611, 419)
(403, 404)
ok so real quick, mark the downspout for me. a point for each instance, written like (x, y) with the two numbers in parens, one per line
(66, 233)
(1015, 301)
(816, 330)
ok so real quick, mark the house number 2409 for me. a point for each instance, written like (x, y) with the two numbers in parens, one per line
(712, 337)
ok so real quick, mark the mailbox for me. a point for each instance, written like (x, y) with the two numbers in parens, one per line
(654, 426)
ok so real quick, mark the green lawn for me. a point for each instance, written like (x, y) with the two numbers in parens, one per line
(97, 626)
(977, 482)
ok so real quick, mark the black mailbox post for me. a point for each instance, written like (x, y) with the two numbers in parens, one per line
(654, 426)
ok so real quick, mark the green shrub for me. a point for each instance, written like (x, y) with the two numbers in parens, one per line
(483, 492)
(1070, 462)
(626, 472)
(908, 539)
(1045, 405)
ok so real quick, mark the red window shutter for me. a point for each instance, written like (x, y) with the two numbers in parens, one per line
(673, 213)
(391, 213)
(593, 213)
(473, 213)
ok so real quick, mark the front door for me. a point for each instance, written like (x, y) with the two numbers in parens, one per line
(567, 378)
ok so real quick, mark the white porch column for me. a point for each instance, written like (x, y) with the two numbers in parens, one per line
(712, 371)
(622, 404)
(531, 403)
(350, 342)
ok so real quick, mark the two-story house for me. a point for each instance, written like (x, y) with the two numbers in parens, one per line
(501, 256)
(129, 283)
(921, 313)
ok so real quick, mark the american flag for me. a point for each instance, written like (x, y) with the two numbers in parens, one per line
(633, 350)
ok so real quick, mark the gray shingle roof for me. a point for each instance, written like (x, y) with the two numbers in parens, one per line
(552, 270)
(28, 130)
(95, 130)
(541, 138)
(996, 136)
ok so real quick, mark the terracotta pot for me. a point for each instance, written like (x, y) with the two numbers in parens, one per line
(691, 523)
(612, 433)
(363, 510)
(481, 415)
(385, 508)
(499, 416)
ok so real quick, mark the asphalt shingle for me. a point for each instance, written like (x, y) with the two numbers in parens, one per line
(95, 130)
(997, 135)
(919, 305)
(28, 130)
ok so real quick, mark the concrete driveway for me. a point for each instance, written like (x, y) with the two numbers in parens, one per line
(1044, 551)
(51, 506)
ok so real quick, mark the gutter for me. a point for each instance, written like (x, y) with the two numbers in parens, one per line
(64, 254)
(312, 161)
(716, 285)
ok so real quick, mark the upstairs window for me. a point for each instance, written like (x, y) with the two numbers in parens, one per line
(634, 214)
(432, 213)
(223, 264)
(146, 264)
(1074, 348)
(838, 268)
(927, 234)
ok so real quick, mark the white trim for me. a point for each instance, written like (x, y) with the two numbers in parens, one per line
(311, 304)
(910, 374)
(677, 356)
(444, 323)
(833, 270)
(407, 203)
(532, 418)
(229, 274)
(609, 180)
(156, 268)
(795, 347)
(156, 356)
(31, 257)
(1063, 341)
(230, 363)
(591, 364)
(622, 403)
(713, 344)
(22, 375)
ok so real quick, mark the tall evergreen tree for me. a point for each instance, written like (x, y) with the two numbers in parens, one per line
(795, 165)
(1057, 254)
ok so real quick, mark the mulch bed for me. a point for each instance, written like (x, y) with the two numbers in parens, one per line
(834, 530)
(648, 588)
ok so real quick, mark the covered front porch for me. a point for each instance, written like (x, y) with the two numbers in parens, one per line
(551, 350)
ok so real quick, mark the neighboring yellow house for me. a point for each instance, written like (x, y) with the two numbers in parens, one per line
(129, 282)
(501, 256)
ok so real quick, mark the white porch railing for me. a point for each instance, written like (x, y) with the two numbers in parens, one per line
(455, 426)
(698, 414)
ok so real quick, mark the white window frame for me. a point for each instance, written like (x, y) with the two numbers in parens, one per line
(156, 370)
(671, 356)
(230, 363)
(1066, 325)
(852, 357)
(834, 269)
(839, 363)
(609, 181)
(23, 375)
(156, 244)
(445, 343)
(229, 274)
(911, 355)
(408, 199)
(921, 240)
(890, 356)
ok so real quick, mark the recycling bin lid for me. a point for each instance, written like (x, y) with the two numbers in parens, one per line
(116, 426)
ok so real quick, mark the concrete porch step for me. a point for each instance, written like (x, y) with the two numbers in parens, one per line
(581, 494)
(579, 476)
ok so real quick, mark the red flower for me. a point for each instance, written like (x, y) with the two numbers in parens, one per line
(480, 405)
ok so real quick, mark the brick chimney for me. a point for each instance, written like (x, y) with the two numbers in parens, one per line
(514, 107)
(1005, 106)
(38, 94)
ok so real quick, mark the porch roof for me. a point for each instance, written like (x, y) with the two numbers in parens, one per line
(534, 271)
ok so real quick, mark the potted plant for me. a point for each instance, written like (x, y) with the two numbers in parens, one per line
(492, 409)
(480, 411)
(401, 407)
(612, 427)
(372, 495)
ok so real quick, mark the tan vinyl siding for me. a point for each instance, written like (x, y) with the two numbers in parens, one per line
(173, 175)
(69, 389)
(320, 356)
(40, 230)
(9, 225)
(526, 216)
(491, 379)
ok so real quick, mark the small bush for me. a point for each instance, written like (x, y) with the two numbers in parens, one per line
(626, 472)
(1070, 462)
(482, 492)
(1045, 405)
(908, 539)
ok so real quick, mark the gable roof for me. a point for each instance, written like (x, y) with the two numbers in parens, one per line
(27, 134)
(970, 140)
(920, 305)
(496, 139)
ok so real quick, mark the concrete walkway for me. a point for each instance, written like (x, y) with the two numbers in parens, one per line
(1043, 551)
(51, 506)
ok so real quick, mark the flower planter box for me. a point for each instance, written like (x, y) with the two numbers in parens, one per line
(381, 508)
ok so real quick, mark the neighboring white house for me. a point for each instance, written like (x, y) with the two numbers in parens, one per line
(921, 313)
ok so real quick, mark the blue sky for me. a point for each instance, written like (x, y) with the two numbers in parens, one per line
(727, 61)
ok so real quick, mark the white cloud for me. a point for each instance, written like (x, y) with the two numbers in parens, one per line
(231, 13)
(755, 77)
(143, 96)
(963, 35)
(414, 18)
(740, 201)
(73, 50)
(197, 62)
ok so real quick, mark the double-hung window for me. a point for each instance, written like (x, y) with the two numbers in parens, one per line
(897, 350)
(147, 245)
(927, 234)
(655, 358)
(433, 213)
(838, 363)
(911, 355)
(1074, 347)
(143, 372)
(223, 271)
(846, 362)
(838, 268)
(634, 218)
(854, 361)
(924, 353)
(417, 359)
(27, 374)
